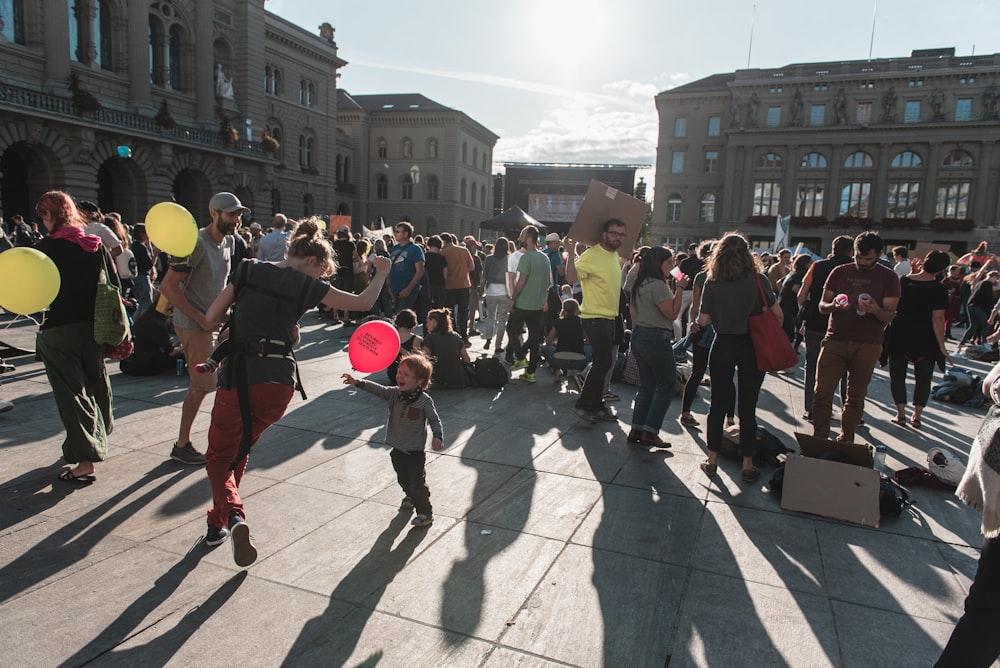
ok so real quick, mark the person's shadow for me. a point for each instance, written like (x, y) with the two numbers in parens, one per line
(327, 641)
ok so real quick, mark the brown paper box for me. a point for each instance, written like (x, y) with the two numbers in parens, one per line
(830, 489)
(601, 203)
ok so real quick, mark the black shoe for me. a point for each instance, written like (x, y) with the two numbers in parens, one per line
(244, 552)
(186, 454)
(216, 535)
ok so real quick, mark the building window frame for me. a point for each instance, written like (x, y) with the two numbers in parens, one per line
(680, 126)
(766, 198)
(711, 162)
(675, 205)
(381, 186)
(810, 196)
(706, 209)
(903, 199)
(855, 199)
(953, 200)
(817, 115)
(677, 162)
(911, 113)
(714, 126)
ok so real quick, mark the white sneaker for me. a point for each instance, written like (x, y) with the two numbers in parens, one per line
(6, 406)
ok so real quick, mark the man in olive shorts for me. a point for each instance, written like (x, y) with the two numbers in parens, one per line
(191, 284)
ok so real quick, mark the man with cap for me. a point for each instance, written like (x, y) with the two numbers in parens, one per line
(191, 284)
(98, 228)
(551, 251)
(273, 246)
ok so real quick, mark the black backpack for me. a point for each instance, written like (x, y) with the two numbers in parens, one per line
(891, 498)
(490, 372)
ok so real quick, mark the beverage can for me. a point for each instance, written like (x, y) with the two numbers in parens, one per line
(863, 298)
(180, 367)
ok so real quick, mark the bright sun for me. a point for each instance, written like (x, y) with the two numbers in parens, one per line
(566, 33)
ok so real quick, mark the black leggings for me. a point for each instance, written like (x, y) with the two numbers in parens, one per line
(923, 374)
(699, 364)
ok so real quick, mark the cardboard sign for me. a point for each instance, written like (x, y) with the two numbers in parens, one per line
(855, 453)
(601, 203)
(336, 222)
(839, 491)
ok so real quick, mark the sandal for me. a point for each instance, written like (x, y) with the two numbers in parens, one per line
(901, 421)
(751, 475)
(708, 469)
(915, 423)
(83, 480)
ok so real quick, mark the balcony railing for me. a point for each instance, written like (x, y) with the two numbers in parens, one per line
(123, 120)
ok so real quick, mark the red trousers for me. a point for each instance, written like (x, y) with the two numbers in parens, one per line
(268, 402)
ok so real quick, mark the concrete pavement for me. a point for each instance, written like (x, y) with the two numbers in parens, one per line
(554, 542)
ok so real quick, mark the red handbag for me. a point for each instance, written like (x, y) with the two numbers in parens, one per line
(121, 351)
(774, 350)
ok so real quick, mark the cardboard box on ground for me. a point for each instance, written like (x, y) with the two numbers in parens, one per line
(601, 203)
(842, 491)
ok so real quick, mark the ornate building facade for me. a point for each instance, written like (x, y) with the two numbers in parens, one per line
(405, 155)
(133, 103)
(906, 146)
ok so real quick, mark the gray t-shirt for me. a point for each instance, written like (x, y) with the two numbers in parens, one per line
(731, 303)
(647, 296)
(407, 426)
(207, 268)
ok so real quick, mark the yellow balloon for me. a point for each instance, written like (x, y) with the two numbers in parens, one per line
(29, 280)
(172, 229)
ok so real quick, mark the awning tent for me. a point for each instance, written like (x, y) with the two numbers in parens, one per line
(512, 221)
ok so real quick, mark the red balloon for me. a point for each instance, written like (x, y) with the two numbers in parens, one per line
(373, 346)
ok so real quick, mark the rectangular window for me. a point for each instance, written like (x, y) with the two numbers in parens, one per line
(863, 115)
(774, 117)
(674, 209)
(711, 162)
(810, 200)
(714, 126)
(855, 199)
(902, 200)
(766, 198)
(912, 114)
(952, 200)
(963, 109)
(817, 114)
(677, 162)
(706, 212)
(680, 127)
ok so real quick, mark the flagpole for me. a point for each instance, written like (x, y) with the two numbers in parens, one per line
(753, 18)
(871, 45)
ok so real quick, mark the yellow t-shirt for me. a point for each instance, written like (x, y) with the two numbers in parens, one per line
(600, 274)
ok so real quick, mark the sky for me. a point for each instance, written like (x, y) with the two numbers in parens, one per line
(574, 81)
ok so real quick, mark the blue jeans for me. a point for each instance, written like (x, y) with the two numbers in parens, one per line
(654, 355)
(142, 290)
(407, 302)
(979, 325)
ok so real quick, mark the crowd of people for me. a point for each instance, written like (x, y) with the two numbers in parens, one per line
(530, 300)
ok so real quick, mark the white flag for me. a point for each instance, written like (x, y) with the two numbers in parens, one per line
(781, 233)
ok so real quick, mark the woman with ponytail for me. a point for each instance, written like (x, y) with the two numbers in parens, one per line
(260, 374)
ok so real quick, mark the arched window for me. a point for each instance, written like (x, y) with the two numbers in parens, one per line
(407, 187)
(347, 169)
(381, 187)
(770, 160)
(337, 172)
(157, 65)
(906, 159)
(407, 148)
(167, 37)
(957, 158)
(12, 13)
(472, 195)
(433, 189)
(310, 94)
(383, 148)
(432, 148)
(267, 78)
(706, 212)
(462, 194)
(858, 159)
(278, 137)
(813, 161)
(307, 150)
(465, 152)
(174, 57)
(475, 156)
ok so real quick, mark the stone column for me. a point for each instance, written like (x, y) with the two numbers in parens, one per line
(928, 199)
(978, 212)
(56, 42)
(205, 61)
(138, 53)
(880, 187)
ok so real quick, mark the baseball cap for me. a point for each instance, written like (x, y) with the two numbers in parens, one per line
(552, 236)
(227, 202)
(255, 226)
(88, 206)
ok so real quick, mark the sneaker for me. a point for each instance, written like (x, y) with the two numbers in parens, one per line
(606, 414)
(422, 520)
(406, 503)
(519, 364)
(611, 396)
(584, 414)
(4, 367)
(244, 553)
(689, 420)
(528, 377)
(187, 454)
(6, 406)
(216, 535)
